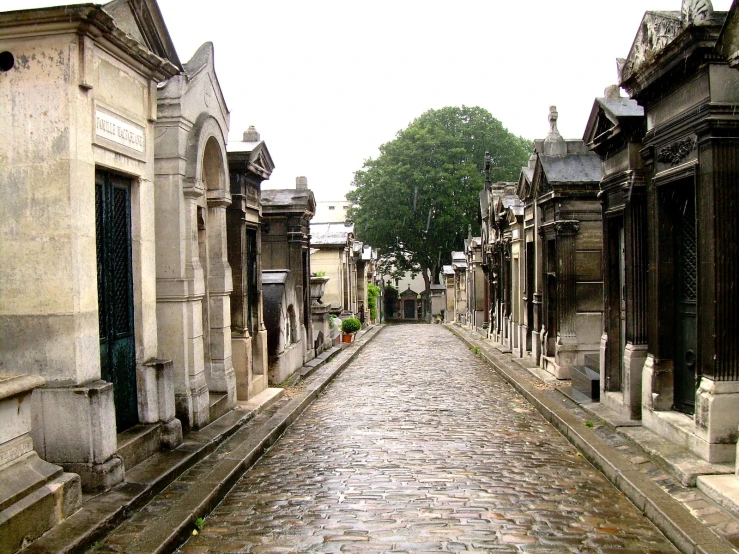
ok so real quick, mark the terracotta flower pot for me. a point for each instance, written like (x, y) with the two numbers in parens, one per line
(347, 338)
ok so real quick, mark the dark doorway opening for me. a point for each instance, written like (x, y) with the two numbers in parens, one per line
(115, 293)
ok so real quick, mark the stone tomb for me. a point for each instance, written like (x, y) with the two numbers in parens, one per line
(34, 495)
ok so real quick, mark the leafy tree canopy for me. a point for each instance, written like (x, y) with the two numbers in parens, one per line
(414, 202)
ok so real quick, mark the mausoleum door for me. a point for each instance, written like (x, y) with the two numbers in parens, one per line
(410, 309)
(552, 300)
(252, 287)
(552, 320)
(115, 293)
(686, 293)
(621, 300)
(530, 269)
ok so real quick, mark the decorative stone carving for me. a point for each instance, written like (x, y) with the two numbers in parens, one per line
(655, 33)
(696, 12)
(566, 227)
(676, 152)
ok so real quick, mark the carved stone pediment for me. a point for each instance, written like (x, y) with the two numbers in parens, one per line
(657, 30)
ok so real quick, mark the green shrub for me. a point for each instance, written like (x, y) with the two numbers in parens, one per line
(373, 291)
(351, 325)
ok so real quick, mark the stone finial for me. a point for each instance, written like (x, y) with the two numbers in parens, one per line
(532, 161)
(301, 183)
(696, 12)
(554, 144)
(612, 92)
(251, 134)
(553, 116)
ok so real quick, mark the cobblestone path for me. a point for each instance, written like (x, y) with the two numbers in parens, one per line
(420, 447)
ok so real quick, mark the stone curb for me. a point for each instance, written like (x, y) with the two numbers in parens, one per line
(685, 531)
(100, 516)
(170, 532)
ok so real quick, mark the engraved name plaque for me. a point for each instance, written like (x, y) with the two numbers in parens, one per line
(121, 132)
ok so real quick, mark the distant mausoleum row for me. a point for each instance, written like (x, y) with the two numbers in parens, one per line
(614, 260)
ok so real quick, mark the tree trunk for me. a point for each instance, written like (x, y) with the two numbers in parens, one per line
(427, 299)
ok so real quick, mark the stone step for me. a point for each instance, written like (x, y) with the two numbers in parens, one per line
(218, 404)
(102, 512)
(318, 361)
(263, 400)
(592, 361)
(138, 443)
(586, 381)
(37, 512)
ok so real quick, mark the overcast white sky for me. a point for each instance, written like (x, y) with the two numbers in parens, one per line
(326, 82)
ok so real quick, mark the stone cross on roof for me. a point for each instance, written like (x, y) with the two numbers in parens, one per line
(553, 116)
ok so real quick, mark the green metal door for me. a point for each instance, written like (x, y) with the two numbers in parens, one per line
(686, 292)
(115, 293)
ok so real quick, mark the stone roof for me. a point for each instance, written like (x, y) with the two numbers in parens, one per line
(584, 168)
(447, 270)
(621, 107)
(275, 200)
(241, 146)
(327, 234)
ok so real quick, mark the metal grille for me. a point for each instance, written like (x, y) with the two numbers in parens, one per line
(687, 254)
(102, 327)
(120, 262)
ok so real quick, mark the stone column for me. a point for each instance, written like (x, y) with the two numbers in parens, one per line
(220, 285)
(191, 388)
(260, 359)
(536, 333)
(566, 304)
(717, 398)
(241, 344)
(635, 352)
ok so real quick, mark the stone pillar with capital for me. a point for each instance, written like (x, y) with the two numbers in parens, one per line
(566, 351)
(219, 286)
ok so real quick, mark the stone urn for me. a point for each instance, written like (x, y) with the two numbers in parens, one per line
(317, 288)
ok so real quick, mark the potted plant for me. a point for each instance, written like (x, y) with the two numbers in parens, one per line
(350, 326)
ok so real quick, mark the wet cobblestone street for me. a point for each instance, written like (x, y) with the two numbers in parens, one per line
(418, 446)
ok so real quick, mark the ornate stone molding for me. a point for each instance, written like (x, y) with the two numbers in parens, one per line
(566, 227)
(561, 228)
(193, 188)
(695, 12)
(677, 152)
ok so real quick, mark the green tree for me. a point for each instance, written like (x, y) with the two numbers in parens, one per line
(415, 201)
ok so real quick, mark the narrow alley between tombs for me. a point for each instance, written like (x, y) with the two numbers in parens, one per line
(420, 446)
